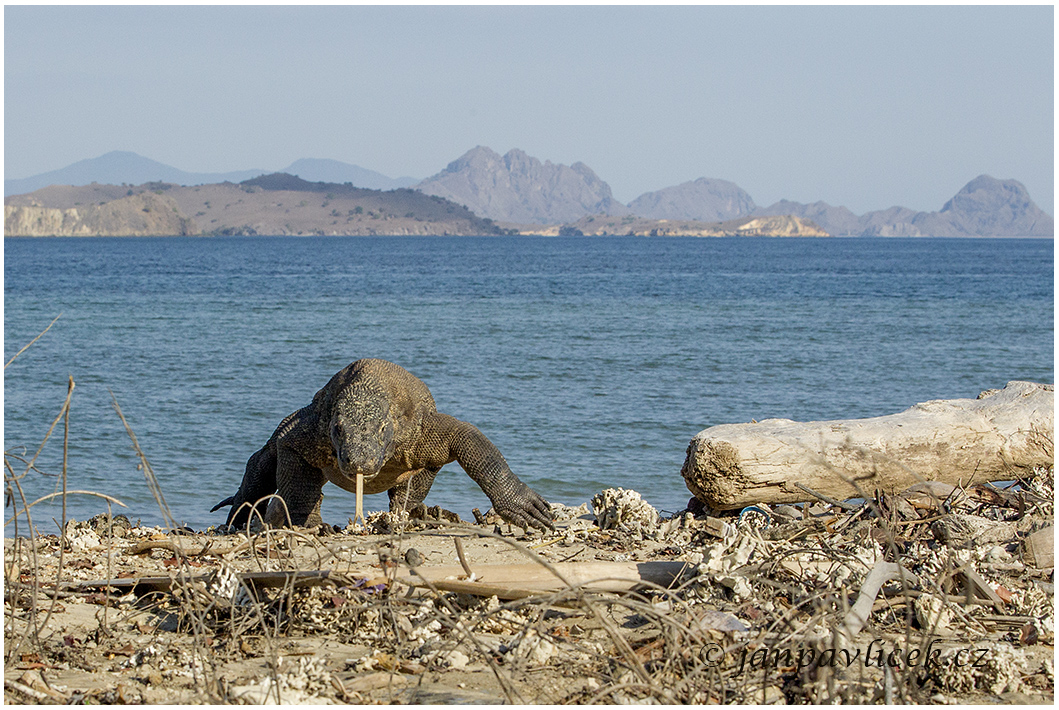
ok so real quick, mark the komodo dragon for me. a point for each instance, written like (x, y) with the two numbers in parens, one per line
(376, 418)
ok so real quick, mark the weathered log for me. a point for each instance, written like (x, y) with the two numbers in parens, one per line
(518, 580)
(507, 581)
(1001, 435)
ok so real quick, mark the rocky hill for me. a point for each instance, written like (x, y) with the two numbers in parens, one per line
(276, 204)
(704, 200)
(985, 207)
(517, 187)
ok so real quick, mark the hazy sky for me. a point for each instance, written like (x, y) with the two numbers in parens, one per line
(866, 107)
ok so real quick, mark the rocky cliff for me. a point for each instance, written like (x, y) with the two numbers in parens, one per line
(135, 215)
(517, 187)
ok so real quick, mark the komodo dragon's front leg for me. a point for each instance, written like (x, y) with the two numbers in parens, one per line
(450, 439)
(410, 496)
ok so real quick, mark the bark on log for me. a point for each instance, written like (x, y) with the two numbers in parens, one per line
(999, 436)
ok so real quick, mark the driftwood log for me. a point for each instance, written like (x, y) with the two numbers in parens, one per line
(507, 581)
(998, 436)
(515, 581)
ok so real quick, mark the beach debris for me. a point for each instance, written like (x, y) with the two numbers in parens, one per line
(563, 513)
(1038, 548)
(995, 669)
(298, 682)
(757, 605)
(521, 580)
(934, 614)
(535, 649)
(81, 536)
(623, 509)
(964, 530)
(220, 580)
(880, 574)
(1000, 435)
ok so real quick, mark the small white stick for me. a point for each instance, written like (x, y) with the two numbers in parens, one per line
(358, 517)
(880, 574)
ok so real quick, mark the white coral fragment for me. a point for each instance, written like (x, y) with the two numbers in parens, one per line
(620, 508)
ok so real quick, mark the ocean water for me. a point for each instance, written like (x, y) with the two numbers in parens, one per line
(590, 363)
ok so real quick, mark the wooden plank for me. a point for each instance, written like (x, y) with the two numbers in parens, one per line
(980, 588)
(1038, 550)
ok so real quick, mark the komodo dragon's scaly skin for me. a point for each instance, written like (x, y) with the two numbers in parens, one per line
(376, 418)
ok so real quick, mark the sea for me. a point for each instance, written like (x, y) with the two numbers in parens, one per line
(590, 362)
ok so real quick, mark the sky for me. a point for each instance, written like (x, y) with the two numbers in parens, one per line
(866, 107)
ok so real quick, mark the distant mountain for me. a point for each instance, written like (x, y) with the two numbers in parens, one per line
(704, 200)
(985, 207)
(327, 170)
(520, 189)
(517, 187)
(118, 167)
(123, 167)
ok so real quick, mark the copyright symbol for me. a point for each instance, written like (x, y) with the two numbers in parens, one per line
(711, 654)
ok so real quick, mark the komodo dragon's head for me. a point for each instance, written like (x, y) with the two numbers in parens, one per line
(361, 433)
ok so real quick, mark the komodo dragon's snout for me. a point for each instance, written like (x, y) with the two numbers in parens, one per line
(361, 435)
(375, 418)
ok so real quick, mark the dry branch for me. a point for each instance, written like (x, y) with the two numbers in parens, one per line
(26, 346)
(998, 436)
